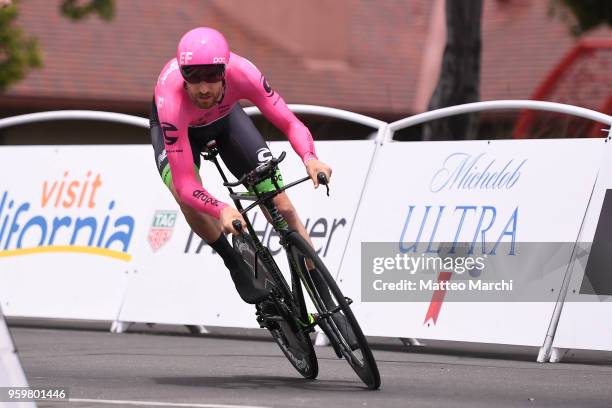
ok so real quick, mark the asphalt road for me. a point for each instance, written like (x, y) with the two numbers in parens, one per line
(103, 369)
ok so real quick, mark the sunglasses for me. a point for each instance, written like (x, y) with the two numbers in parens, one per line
(208, 73)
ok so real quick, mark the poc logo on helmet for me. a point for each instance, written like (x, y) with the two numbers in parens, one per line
(186, 57)
(219, 60)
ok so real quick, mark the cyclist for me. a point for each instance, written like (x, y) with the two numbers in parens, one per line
(196, 101)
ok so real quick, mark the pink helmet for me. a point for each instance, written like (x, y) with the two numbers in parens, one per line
(202, 46)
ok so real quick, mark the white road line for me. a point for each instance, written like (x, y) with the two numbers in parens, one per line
(161, 404)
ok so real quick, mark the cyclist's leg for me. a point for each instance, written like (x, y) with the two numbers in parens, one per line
(242, 149)
(286, 208)
(205, 226)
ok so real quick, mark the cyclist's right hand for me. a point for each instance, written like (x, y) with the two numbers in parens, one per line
(228, 215)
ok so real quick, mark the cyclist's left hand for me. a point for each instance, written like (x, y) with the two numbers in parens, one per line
(314, 167)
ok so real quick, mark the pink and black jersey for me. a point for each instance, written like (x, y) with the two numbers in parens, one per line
(177, 114)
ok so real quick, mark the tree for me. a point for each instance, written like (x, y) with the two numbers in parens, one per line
(460, 74)
(583, 15)
(105, 9)
(459, 81)
(19, 53)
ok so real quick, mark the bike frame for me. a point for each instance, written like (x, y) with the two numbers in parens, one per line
(294, 308)
(280, 225)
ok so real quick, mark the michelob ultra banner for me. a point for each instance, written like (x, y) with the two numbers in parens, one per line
(470, 240)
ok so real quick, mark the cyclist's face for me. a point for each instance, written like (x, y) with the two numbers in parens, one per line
(204, 94)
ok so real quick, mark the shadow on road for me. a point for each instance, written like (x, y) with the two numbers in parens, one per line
(238, 382)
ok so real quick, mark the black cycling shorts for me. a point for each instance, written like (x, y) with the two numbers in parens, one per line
(240, 145)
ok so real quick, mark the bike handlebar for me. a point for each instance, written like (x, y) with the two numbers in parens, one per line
(237, 225)
(262, 169)
(236, 183)
(322, 178)
(259, 171)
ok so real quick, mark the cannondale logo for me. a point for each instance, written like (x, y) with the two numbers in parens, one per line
(266, 86)
(264, 155)
(170, 140)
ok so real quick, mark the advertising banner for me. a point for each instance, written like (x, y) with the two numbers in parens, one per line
(92, 233)
(469, 240)
(179, 280)
(68, 227)
(483, 230)
(585, 317)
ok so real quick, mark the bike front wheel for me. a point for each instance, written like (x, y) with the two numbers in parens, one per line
(335, 315)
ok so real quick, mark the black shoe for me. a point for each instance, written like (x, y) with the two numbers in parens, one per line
(346, 330)
(246, 285)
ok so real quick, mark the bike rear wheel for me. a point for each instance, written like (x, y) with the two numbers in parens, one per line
(288, 333)
(360, 358)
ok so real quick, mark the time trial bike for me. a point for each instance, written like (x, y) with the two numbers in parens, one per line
(285, 313)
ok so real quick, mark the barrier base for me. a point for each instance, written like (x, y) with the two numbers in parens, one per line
(411, 342)
(557, 354)
(197, 329)
(120, 327)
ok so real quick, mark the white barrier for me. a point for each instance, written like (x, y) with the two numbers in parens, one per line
(165, 275)
(69, 230)
(11, 373)
(496, 105)
(408, 200)
(143, 290)
(545, 350)
(178, 285)
(58, 223)
(585, 320)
